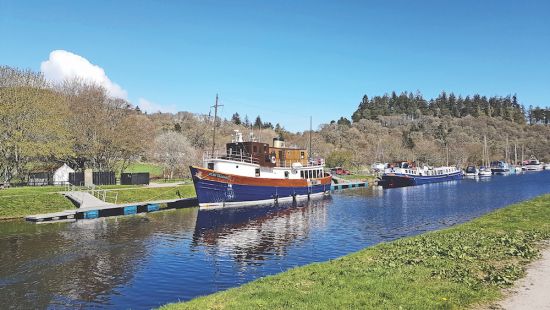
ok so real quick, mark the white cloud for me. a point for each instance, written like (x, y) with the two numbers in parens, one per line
(64, 65)
(152, 107)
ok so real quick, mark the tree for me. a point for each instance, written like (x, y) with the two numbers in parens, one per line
(236, 119)
(339, 158)
(33, 126)
(344, 121)
(174, 152)
(258, 122)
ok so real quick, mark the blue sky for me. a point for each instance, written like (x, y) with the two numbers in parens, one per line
(286, 60)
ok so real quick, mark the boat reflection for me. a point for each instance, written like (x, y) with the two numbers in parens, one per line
(82, 263)
(250, 235)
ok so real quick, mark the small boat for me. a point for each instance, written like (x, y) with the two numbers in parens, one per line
(500, 167)
(533, 165)
(408, 174)
(546, 166)
(485, 172)
(471, 171)
(253, 173)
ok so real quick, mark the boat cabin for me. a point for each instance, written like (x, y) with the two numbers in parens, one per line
(257, 159)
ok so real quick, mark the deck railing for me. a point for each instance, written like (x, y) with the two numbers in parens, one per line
(246, 158)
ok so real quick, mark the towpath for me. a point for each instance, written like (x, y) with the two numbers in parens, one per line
(533, 291)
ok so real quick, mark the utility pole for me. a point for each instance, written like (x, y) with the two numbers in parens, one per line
(215, 124)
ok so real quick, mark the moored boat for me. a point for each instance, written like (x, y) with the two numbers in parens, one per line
(485, 172)
(251, 173)
(408, 174)
(533, 165)
(471, 171)
(500, 167)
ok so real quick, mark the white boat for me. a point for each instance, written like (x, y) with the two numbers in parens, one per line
(546, 166)
(471, 172)
(533, 165)
(485, 170)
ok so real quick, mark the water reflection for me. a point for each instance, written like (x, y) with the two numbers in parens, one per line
(249, 235)
(74, 264)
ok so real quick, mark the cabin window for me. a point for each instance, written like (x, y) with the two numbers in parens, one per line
(237, 166)
(257, 172)
(302, 155)
(286, 174)
(302, 174)
(254, 149)
(211, 166)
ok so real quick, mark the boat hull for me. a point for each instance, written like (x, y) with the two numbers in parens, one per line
(400, 180)
(500, 170)
(215, 189)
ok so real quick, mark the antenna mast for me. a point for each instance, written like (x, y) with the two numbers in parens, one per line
(215, 123)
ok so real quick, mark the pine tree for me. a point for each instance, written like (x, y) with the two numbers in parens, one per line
(258, 122)
(236, 119)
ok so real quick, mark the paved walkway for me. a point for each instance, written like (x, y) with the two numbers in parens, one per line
(533, 291)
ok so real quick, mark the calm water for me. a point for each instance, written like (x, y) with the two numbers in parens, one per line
(146, 261)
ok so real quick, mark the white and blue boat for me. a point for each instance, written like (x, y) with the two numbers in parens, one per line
(408, 174)
(255, 173)
(500, 167)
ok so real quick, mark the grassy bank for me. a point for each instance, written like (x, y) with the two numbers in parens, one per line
(153, 193)
(20, 202)
(358, 177)
(459, 267)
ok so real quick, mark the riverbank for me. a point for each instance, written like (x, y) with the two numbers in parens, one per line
(20, 202)
(463, 266)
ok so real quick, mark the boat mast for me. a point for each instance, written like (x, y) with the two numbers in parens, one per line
(507, 159)
(515, 153)
(215, 106)
(310, 130)
(485, 152)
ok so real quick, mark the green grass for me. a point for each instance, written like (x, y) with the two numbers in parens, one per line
(357, 177)
(150, 194)
(155, 170)
(20, 206)
(459, 267)
(22, 201)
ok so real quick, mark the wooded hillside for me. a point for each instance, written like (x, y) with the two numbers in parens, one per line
(44, 125)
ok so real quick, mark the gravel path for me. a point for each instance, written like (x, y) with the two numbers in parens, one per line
(533, 291)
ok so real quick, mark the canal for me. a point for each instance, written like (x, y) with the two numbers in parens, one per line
(145, 261)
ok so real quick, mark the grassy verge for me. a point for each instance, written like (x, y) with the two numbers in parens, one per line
(20, 202)
(459, 267)
(154, 193)
(358, 177)
(155, 170)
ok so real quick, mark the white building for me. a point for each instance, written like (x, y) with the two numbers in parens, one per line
(61, 175)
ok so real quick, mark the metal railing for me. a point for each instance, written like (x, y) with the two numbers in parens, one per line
(101, 194)
(246, 158)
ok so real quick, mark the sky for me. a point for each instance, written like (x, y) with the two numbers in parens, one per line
(284, 60)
